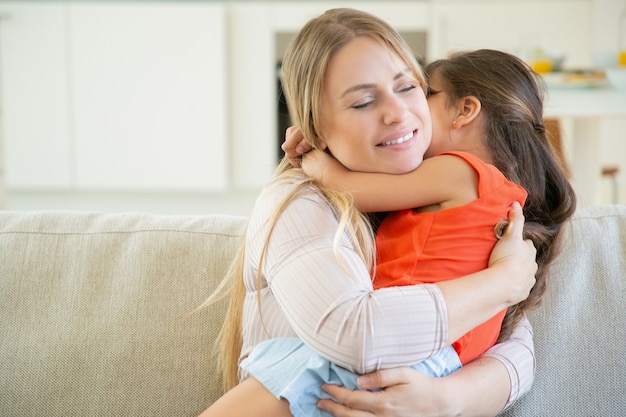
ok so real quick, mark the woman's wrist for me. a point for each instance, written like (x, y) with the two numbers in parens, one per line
(480, 388)
(446, 397)
(511, 282)
(472, 300)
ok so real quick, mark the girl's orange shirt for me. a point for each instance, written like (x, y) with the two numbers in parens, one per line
(416, 248)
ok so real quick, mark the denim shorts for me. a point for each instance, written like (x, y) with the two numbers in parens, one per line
(289, 369)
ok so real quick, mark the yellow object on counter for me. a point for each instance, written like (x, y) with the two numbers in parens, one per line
(542, 66)
(621, 59)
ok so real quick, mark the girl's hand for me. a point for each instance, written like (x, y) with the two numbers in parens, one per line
(321, 166)
(516, 257)
(294, 145)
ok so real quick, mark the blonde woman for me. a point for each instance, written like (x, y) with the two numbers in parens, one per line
(304, 268)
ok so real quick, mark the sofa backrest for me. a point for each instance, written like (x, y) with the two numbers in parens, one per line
(94, 312)
(94, 315)
(580, 327)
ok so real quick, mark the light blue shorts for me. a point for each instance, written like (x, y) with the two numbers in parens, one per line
(291, 370)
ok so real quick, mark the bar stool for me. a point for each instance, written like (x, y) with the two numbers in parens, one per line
(553, 132)
(611, 172)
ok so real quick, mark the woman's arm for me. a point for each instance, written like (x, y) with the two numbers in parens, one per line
(478, 389)
(330, 304)
(517, 355)
(323, 292)
(481, 388)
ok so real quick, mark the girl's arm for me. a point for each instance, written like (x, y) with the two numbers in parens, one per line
(445, 180)
(294, 145)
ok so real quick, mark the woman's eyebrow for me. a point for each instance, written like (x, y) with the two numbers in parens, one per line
(372, 85)
(357, 88)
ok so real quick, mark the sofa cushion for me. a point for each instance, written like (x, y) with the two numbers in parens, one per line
(94, 315)
(580, 327)
(95, 312)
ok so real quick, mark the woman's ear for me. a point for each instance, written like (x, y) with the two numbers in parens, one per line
(468, 109)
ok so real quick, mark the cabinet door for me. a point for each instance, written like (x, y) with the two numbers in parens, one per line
(514, 26)
(149, 95)
(252, 95)
(34, 95)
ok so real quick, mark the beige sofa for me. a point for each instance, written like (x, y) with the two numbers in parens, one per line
(94, 315)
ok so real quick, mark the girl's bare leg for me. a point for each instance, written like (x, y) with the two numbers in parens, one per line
(251, 399)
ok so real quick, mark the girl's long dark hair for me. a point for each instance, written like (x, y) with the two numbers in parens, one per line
(511, 94)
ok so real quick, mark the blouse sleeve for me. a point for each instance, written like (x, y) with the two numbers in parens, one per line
(517, 354)
(324, 291)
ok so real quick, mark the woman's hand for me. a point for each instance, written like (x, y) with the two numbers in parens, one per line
(294, 145)
(474, 298)
(516, 257)
(480, 388)
(403, 392)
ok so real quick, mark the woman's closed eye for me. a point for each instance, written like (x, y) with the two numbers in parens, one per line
(370, 100)
(364, 103)
(406, 88)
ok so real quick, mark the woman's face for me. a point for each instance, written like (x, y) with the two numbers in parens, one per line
(442, 115)
(374, 113)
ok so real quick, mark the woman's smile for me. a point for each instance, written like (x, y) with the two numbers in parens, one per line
(400, 140)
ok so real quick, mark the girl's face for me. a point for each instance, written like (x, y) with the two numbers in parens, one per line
(374, 113)
(442, 114)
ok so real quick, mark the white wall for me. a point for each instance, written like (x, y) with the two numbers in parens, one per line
(246, 153)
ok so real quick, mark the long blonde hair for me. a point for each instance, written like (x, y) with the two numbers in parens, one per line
(303, 70)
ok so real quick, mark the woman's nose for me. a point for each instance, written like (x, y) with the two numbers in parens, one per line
(395, 110)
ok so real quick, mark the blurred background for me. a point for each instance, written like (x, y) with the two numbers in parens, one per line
(174, 107)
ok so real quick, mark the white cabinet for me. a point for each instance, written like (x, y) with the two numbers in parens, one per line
(170, 96)
(149, 95)
(563, 25)
(34, 95)
(402, 15)
(115, 95)
(253, 97)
